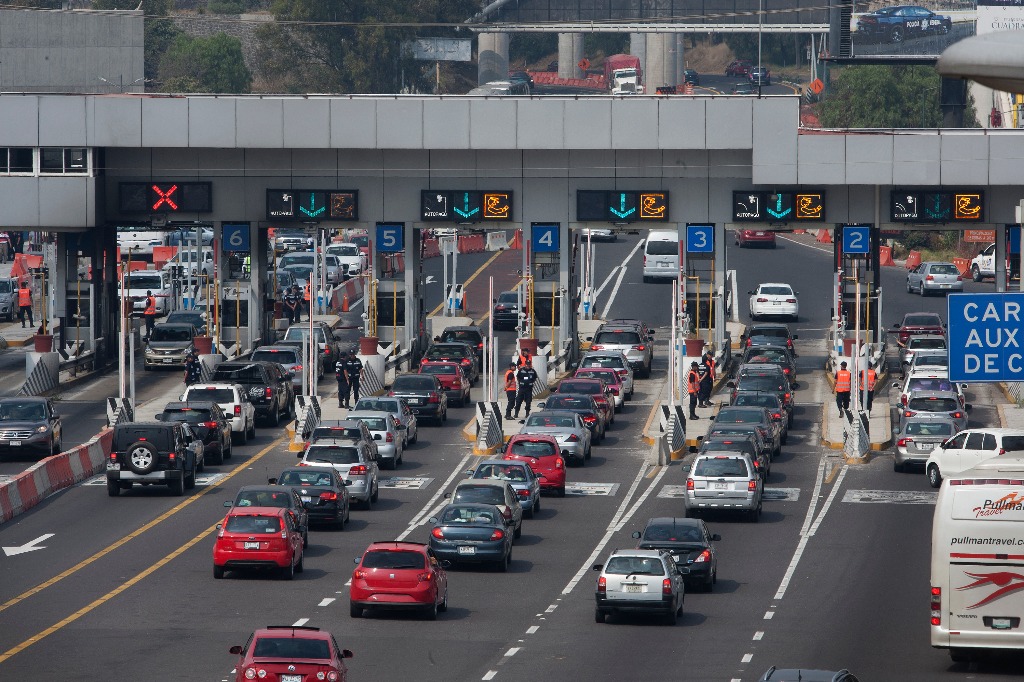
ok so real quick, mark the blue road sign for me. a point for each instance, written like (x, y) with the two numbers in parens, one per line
(986, 341)
(1014, 232)
(700, 239)
(856, 240)
(390, 237)
(235, 236)
(545, 237)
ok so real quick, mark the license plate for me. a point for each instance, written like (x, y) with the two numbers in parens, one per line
(168, 361)
(664, 265)
(291, 678)
(251, 545)
(677, 558)
(633, 588)
(946, 286)
(467, 550)
(1001, 623)
(15, 443)
(759, 234)
(720, 486)
(417, 401)
(113, 466)
(305, 499)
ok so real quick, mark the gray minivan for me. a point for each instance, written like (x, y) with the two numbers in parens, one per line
(8, 298)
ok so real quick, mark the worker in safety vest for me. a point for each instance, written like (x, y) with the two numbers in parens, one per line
(510, 389)
(707, 379)
(25, 304)
(524, 359)
(869, 383)
(149, 313)
(306, 298)
(843, 383)
(693, 388)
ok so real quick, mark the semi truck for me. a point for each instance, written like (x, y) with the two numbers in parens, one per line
(623, 74)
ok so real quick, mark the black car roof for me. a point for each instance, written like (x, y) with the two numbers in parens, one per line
(190, 405)
(677, 520)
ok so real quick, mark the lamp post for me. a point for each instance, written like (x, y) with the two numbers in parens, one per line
(760, 25)
(120, 82)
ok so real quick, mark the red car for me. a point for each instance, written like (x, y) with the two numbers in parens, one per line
(291, 653)
(745, 238)
(739, 67)
(610, 378)
(258, 538)
(919, 324)
(593, 387)
(543, 455)
(452, 378)
(399, 576)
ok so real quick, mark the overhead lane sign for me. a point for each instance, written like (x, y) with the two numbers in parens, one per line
(312, 205)
(930, 206)
(628, 206)
(465, 206)
(985, 338)
(784, 206)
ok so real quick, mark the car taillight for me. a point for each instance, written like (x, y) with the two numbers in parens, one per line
(171, 455)
(929, 278)
(614, 390)
(425, 577)
(596, 346)
(464, 361)
(762, 300)
(787, 396)
(573, 438)
(666, 586)
(622, 372)
(359, 574)
(303, 464)
(559, 463)
(785, 370)
(332, 676)
(936, 606)
(589, 418)
(689, 484)
(389, 438)
(749, 343)
(268, 392)
(902, 442)
(480, 345)
(358, 470)
(523, 493)
(297, 368)
(776, 415)
(909, 413)
(251, 673)
(959, 278)
(327, 350)
(113, 456)
(704, 556)
(903, 399)
(238, 410)
(602, 585)
(434, 398)
(437, 533)
(790, 300)
(497, 535)
(391, 393)
(752, 485)
(640, 347)
(329, 495)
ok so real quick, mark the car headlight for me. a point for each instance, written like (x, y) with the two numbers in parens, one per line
(42, 429)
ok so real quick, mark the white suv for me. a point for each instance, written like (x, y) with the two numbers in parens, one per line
(724, 481)
(233, 400)
(640, 580)
(969, 448)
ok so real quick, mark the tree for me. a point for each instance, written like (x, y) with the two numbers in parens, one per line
(211, 64)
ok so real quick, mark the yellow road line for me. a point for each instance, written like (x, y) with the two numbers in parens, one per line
(650, 418)
(123, 541)
(476, 274)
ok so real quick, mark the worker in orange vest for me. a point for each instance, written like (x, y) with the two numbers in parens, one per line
(510, 389)
(869, 382)
(843, 382)
(707, 378)
(693, 388)
(306, 298)
(25, 304)
(149, 313)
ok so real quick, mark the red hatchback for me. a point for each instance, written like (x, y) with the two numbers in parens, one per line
(543, 455)
(258, 538)
(291, 653)
(745, 237)
(452, 378)
(399, 576)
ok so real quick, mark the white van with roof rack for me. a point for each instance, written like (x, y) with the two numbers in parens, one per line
(977, 560)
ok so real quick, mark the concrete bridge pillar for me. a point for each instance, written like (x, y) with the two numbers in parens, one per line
(660, 68)
(680, 58)
(570, 52)
(638, 46)
(492, 61)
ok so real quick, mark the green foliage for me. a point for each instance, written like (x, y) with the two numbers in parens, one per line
(227, 6)
(211, 64)
(529, 48)
(882, 97)
(777, 49)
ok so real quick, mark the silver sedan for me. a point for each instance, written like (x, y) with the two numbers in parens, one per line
(918, 436)
(567, 427)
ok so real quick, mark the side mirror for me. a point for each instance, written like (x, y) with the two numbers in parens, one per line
(651, 332)
(219, 526)
(237, 649)
(636, 535)
(447, 496)
(598, 567)
(345, 653)
(895, 384)
(731, 384)
(963, 386)
(228, 503)
(540, 405)
(300, 528)
(693, 449)
(348, 482)
(433, 519)
(750, 293)
(446, 564)
(159, 417)
(895, 325)
(968, 406)
(590, 338)
(356, 560)
(795, 337)
(716, 537)
(271, 481)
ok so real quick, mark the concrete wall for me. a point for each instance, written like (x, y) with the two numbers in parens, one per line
(52, 51)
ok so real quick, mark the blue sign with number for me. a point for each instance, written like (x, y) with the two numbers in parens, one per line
(700, 239)
(985, 338)
(856, 239)
(390, 237)
(544, 237)
(235, 236)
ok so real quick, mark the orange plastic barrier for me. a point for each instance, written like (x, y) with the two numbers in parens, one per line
(962, 264)
(824, 236)
(137, 265)
(164, 253)
(913, 259)
(431, 249)
(885, 256)
(517, 240)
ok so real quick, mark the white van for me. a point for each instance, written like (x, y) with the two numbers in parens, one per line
(661, 255)
(977, 565)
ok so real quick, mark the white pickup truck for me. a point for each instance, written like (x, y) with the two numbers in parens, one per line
(984, 264)
(138, 282)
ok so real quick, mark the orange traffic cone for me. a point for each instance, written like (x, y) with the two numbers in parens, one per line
(344, 303)
(824, 236)
(517, 240)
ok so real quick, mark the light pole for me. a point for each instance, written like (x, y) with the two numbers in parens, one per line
(120, 82)
(760, 25)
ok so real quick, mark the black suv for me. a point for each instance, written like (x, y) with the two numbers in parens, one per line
(153, 453)
(267, 384)
(207, 421)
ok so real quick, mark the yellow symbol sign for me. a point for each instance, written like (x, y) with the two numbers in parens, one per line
(653, 206)
(967, 207)
(343, 205)
(809, 207)
(497, 206)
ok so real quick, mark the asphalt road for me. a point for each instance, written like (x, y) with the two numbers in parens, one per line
(123, 590)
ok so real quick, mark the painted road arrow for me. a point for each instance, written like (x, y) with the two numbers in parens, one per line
(465, 212)
(28, 546)
(430, 280)
(622, 212)
(778, 212)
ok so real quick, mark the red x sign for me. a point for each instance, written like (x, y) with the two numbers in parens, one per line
(165, 196)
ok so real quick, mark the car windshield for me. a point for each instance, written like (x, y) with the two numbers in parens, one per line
(933, 404)
(609, 361)
(757, 399)
(715, 445)
(589, 387)
(318, 478)
(617, 338)
(253, 524)
(562, 421)
(189, 415)
(568, 402)
(143, 282)
(928, 384)
(767, 355)
(532, 448)
(263, 498)
(214, 395)
(297, 334)
(775, 291)
(929, 428)
(361, 240)
(922, 342)
(945, 269)
(504, 472)
(777, 332)
(337, 432)
(662, 248)
(333, 454)
(509, 297)
(377, 405)
(165, 333)
(194, 319)
(5, 286)
(922, 321)
(291, 648)
(246, 374)
(726, 466)
(669, 532)
(447, 352)
(479, 493)
(297, 259)
(22, 411)
(740, 416)
(599, 374)
(344, 250)
(1013, 443)
(930, 360)
(753, 382)
(375, 423)
(461, 335)
(470, 516)
(634, 565)
(285, 357)
(439, 369)
(411, 382)
(393, 559)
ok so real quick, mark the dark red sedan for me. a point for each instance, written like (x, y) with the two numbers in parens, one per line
(291, 653)
(753, 237)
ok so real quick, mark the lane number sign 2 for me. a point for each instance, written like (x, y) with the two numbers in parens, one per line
(856, 239)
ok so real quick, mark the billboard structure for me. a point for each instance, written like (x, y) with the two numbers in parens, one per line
(1000, 15)
(895, 32)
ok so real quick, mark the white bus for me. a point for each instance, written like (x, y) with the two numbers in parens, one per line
(977, 566)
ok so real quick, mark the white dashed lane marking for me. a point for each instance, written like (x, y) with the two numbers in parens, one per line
(586, 489)
(890, 497)
(405, 482)
(326, 601)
